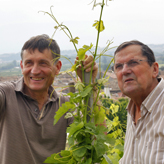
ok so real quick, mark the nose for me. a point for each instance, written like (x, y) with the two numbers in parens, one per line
(126, 69)
(35, 69)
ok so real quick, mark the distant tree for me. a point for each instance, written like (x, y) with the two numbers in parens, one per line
(9, 66)
(14, 63)
(160, 59)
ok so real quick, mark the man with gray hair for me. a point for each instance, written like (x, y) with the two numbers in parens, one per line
(137, 75)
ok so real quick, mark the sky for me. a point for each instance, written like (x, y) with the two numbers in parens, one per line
(124, 20)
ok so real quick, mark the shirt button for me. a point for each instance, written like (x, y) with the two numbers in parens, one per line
(36, 109)
(134, 159)
(136, 139)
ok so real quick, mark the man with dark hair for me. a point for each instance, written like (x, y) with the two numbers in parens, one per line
(42, 42)
(28, 106)
(137, 75)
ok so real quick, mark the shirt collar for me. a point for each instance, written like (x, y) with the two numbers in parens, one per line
(53, 96)
(153, 97)
(150, 100)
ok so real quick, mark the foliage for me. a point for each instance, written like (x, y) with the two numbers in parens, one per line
(9, 65)
(88, 139)
(121, 103)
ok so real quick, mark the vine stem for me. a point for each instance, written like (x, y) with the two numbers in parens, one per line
(94, 55)
(98, 35)
(60, 25)
(71, 37)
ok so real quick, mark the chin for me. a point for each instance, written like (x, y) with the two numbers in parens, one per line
(36, 88)
(129, 91)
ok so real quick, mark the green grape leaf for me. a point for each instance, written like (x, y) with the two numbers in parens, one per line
(100, 148)
(96, 24)
(103, 80)
(75, 40)
(88, 161)
(74, 127)
(115, 121)
(65, 153)
(51, 159)
(79, 151)
(65, 156)
(79, 85)
(99, 115)
(71, 161)
(89, 146)
(90, 126)
(109, 125)
(86, 91)
(70, 141)
(110, 139)
(73, 68)
(120, 147)
(114, 108)
(114, 158)
(62, 110)
(82, 51)
(117, 133)
(106, 160)
(100, 132)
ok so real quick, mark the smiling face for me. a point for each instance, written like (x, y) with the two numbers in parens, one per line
(38, 70)
(139, 80)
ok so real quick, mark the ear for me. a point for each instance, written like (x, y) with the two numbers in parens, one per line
(58, 67)
(21, 65)
(155, 69)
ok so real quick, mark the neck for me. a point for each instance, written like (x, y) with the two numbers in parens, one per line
(137, 114)
(40, 97)
(140, 98)
(140, 95)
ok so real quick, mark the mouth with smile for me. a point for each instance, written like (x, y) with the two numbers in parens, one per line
(36, 78)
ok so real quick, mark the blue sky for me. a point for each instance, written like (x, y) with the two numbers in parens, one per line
(123, 19)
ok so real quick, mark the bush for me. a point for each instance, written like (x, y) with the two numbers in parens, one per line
(122, 113)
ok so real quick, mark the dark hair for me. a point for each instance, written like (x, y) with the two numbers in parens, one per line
(146, 51)
(42, 42)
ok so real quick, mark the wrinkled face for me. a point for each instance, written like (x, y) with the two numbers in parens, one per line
(135, 79)
(38, 70)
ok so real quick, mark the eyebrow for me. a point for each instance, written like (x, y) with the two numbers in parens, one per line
(41, 60)
(44, 60)
(27, 60)
(127, 61)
